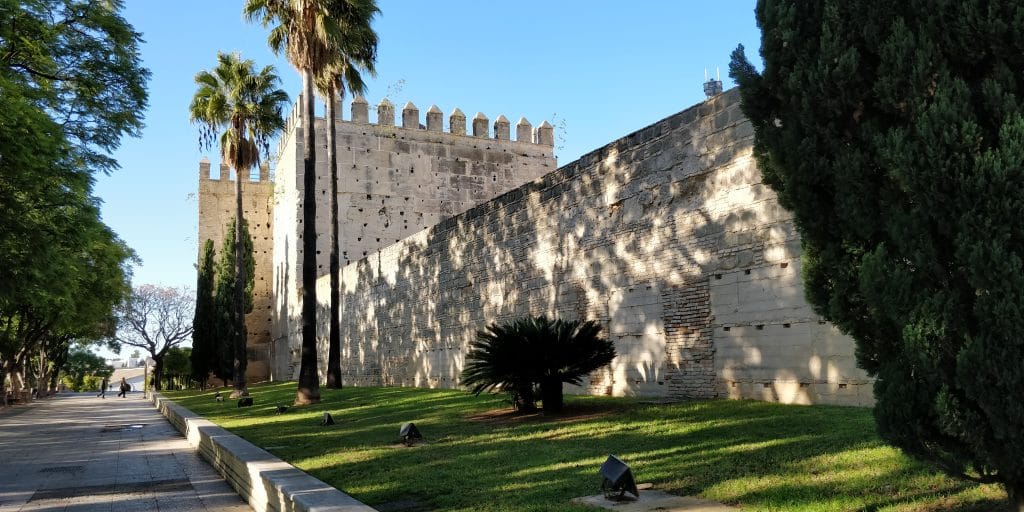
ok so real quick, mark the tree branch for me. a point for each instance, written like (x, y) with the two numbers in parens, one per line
(36, 72)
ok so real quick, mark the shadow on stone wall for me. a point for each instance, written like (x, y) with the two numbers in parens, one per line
(648, 235)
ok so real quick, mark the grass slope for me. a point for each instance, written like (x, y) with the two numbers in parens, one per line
(478, 457)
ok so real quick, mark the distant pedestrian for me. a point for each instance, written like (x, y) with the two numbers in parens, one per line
(125, 387)
(103, 387)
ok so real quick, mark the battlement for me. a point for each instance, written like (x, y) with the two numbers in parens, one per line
(225, 172)
(542, 135)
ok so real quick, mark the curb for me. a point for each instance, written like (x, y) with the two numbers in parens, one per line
(268, 483)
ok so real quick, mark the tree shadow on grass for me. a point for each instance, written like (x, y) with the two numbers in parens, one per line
(758, 455)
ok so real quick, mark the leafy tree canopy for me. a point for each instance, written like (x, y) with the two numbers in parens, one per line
(79, 61)
(894, 131)
(82, 362)
(177, 361)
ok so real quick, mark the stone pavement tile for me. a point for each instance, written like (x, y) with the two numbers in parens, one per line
(134, 503)
(78, 453)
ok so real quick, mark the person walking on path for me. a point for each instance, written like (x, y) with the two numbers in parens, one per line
(125, 387)
(103, 387)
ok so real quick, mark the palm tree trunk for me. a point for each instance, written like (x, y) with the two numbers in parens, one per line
(238, 302)
(334, 345)
(309, 381)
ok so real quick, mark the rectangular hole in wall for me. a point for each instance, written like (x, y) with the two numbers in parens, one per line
(805, 384)
(759, 327)
(733, 384)
(747, 272)
(842, 386)
(783, 264)
(726, 329)
(718, 276)
(786, 326)
(767, 384)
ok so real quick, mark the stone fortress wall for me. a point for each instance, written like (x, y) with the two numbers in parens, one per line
(394, 181)
(216, 208)
(667, 237)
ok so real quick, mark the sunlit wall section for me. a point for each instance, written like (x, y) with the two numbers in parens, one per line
(667, 237)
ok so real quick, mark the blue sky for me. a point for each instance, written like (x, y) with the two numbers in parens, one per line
(596, 69)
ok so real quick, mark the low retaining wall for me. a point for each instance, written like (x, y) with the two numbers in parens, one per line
(266, 482)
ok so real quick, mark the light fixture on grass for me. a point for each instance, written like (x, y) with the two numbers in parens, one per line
(245, 401)
(617, 479)
(409, 433)
(327, 421)
(281, 409)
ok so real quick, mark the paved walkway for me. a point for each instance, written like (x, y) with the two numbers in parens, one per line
(76, 452)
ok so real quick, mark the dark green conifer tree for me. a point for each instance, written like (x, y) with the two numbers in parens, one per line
(227, 360)
(204, 323)
(894, 131)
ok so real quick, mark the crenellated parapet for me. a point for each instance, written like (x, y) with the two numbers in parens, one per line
(479, 125)
(225, 172)
(457, 122)
(543, 135)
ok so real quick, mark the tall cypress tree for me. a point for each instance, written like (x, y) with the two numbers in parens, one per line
(204, 323)
(894, 131)
(226, 361)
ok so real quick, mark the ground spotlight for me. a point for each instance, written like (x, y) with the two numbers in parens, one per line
(281, 409)
(409, 433)
(327, 421)
(245, 401)
(618, 479)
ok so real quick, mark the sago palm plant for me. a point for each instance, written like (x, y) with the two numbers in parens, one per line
(535, 353)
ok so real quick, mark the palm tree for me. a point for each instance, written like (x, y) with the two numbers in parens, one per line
(359, 52)
(243, 107)
(308, 32)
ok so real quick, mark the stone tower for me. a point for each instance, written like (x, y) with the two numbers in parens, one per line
(394, 181)
(216, 208)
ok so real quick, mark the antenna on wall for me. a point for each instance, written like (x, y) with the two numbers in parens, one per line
(712, 87)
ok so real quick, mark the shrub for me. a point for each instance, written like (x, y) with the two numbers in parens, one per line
(531, 357)
(82, 382)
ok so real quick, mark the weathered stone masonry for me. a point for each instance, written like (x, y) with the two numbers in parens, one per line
(666, 236)
(394, 181)
(216, 208)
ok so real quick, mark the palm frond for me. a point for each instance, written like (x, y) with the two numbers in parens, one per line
(244, 106)
(520, 354)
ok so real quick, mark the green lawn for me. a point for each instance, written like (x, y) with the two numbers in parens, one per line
(478, 457)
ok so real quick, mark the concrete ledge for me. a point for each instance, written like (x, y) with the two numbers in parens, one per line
(266, 482)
